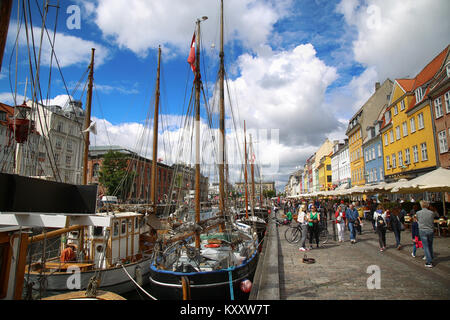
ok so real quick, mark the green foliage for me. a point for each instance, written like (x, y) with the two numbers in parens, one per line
(269, 193)
(113, 174)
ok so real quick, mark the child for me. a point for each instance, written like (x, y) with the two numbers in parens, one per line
(288, 217)
(415, 236)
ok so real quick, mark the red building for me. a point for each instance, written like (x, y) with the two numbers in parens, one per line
(140, 187)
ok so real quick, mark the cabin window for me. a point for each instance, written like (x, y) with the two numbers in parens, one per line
(124, 226)
(98, 231)
(116, 228)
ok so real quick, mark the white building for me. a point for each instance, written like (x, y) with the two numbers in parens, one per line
(340, 165)
(61, 150)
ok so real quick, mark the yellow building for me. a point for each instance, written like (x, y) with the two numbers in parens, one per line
(408, 140)
(325, 176)
(357, 133)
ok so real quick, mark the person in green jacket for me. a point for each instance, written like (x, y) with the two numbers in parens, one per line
(313, 226)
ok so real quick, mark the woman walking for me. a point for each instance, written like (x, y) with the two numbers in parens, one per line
(340, 222)
(302, 219)
(396, 225)
(380, 223)
(313, 226)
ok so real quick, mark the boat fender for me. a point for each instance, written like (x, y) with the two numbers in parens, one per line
(212, 245)
(246, 286)
(138, 275)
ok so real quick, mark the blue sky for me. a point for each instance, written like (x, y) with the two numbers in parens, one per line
(300, 67)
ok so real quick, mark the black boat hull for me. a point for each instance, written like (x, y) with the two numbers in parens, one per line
(211, 285)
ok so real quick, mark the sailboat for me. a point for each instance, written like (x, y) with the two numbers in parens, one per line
(212, 258)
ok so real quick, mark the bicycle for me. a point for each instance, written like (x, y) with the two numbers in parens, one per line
(293, 234)
(323, 231)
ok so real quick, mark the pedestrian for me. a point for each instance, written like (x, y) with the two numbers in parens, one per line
(397, 226)
(415, 236)
(425, 219)
(352, 218)
(379, 216)
(373, 208)
(302, 219)
(313, 226)
(340, 222)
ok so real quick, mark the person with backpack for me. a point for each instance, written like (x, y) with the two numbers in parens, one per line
(340, 222)
(379, 216)
(397, 226)
(313, 226)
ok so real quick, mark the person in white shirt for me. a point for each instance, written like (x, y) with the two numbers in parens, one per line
(379, 216)
(302, 219)
(340, 222)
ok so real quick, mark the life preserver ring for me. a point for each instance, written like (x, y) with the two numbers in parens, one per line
(212, 245)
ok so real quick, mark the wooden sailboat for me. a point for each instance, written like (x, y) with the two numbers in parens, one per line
(211, 261)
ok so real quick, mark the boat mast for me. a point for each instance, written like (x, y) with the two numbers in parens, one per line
(197, 130)
(5, 14)
(222, 122)
(155, 137)
(252, 170)
(245, 172)
(87, 119)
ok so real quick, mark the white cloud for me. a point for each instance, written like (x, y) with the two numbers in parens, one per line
(171, 23)
(8, 98)
(285, 90)
(69, 50)
(397, 38)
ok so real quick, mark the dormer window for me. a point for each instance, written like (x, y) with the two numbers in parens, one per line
(419, 94)
(387, 115)
(402, 105)
(448, 69)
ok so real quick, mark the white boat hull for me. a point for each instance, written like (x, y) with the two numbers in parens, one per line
(112, 279)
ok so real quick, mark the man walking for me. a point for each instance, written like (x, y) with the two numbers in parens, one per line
(425, 219)
(352, 218)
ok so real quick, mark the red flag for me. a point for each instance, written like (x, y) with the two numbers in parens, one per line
(191, 58)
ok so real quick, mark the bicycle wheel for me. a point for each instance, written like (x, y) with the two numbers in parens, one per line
(293, 234)
(323, 236)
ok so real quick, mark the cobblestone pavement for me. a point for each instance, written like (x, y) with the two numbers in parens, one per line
(340, 271)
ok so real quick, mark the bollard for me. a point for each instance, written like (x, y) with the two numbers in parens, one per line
(334, 229)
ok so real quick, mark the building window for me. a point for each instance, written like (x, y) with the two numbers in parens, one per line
(58, 144)
(402, 105)
(381, 174)
(375, 174)
(379, 151)
(448, 69)
(423, 148)
(415, 154)
(95, 169)
(405, 129)
(394, 161)
(60, 127)
(412, 124)
(391, 134)
(386, 139)
(395, 110)
(397, 132)
(443, 146)
(388, 162)
(407, 156)
(447, 100)
(69, 146)
(438, 107)
(420, 121)
(419, 95)
(68, 160)
(400, 159)
(2, 116)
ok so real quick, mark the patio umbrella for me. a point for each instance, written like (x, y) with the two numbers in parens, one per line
(435, 181)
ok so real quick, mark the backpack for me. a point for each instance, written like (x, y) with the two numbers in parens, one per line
(380, 221)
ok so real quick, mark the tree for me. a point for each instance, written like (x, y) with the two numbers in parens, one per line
(113, 174)
(269, 193)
